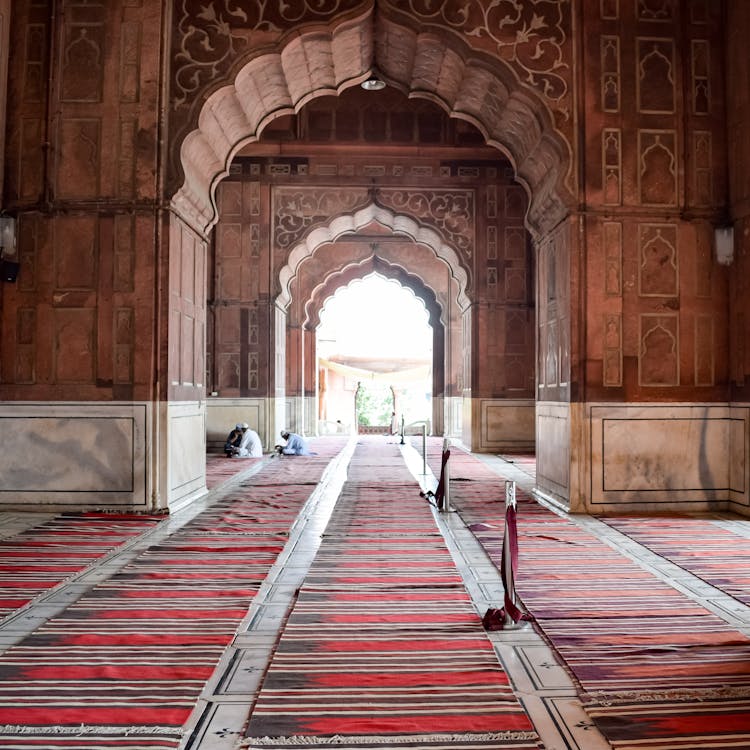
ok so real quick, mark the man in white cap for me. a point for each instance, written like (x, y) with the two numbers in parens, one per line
(250, 445)
(296, 445)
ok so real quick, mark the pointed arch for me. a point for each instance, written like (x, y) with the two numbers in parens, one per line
(351, 223)
(467, 84)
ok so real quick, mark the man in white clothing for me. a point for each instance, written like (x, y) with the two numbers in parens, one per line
(295, 445)
(250, 445)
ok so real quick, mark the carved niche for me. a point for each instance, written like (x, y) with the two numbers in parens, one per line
(657, 265)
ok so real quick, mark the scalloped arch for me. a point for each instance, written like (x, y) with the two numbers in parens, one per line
(362, 269)
(466, 84)
(350, 224)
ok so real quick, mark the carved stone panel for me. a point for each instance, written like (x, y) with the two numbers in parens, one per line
(658, 260)
(74, 336)
(704, 350)
(124, 339)
(659, 361)
(25, 369)
(656, 76)
(612, 241)
(79, 158)
(130, 62)
(700, 68)
(30, 158)
(657, 172)
(612, 367)
(124, 255)
(655, 10)
(82, 64)
(702, 168)
(610, 73)
(609, 9)
(34, 73)
(612, 166)
(76, 253)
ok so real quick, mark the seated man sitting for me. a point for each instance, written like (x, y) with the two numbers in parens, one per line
(233, 441)
(296, 445)
(250, 446)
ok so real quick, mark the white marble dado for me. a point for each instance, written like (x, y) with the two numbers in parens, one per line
(553, 450)
(222, 414)
(504, 424)
(71, 454)
(186, 457)
(668, 457)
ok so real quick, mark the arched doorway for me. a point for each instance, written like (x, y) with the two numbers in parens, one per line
(206, 155)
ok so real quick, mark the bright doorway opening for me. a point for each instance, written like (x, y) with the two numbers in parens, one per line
(374, 346)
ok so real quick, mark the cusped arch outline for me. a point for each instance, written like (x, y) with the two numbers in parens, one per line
(348, 224)
(467, 84)
(362, 269)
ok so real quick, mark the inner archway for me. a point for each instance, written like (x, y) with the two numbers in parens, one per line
(374, 347)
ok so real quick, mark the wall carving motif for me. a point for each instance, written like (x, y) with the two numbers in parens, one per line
(529, 35)
(657, 268)
(656, 10)
(612, 166)
(700, 66)
(656, 79)
(658, 363)
(612, 375)
(612, 240)
(210, 36)
(703, 193)
(658, 167)
(297, 210)
(610, 76)
(82, 66)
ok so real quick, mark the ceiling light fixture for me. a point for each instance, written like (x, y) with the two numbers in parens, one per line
(373, 83)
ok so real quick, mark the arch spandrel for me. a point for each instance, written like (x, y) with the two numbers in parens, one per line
(350, 224)
(467, 84)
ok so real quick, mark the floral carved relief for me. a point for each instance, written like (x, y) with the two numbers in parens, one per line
(297, 210)
(531, 35)
(210, 36)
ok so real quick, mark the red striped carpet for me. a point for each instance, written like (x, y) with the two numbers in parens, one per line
(655, 669)
(219, 469)
(123, 667)
(49, 553)
(383, 647)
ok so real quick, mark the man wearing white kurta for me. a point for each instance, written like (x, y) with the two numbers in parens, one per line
(250, 445)
(295, 445)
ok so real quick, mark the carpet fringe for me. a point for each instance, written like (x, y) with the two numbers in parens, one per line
(658, 696)
(337, 739)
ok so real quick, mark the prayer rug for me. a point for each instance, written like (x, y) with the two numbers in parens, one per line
(124, 665)
(383, 647)
(43, 556)
(655, 669)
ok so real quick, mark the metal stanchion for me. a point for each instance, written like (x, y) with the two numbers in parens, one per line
(510, 584)
(403, 442)
(424, 449)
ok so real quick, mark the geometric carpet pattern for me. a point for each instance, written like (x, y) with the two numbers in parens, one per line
(124, 665)
(383, 647)
(45, 555)
(655, 670)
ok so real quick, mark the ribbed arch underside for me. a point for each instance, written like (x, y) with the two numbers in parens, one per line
(422, 64)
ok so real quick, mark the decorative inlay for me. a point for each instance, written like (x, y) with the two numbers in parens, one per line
(124, 256)
(702, 168)
(610, 78)
(658, 362)
(297, 210)
(515, 243)
(515, 285)
(655, 10)
(609, 9)
(130, 61)
(612, 367)
(530, 35)
(74, 337)
(210, 36)
(33, 78)
(704, 350)
(127, 157)
(700, 65)
(79, 158)
(124, 338)
(612, 241)
(76, 253)
(657, 269)
(25, 364)
(83, 63)
(491, 201)
(657, 167)
(254, 188)
(492, 281)
(491, 242)
(612, 166)
(656, 80)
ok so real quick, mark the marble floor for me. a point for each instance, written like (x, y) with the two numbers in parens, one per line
(541, 684)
